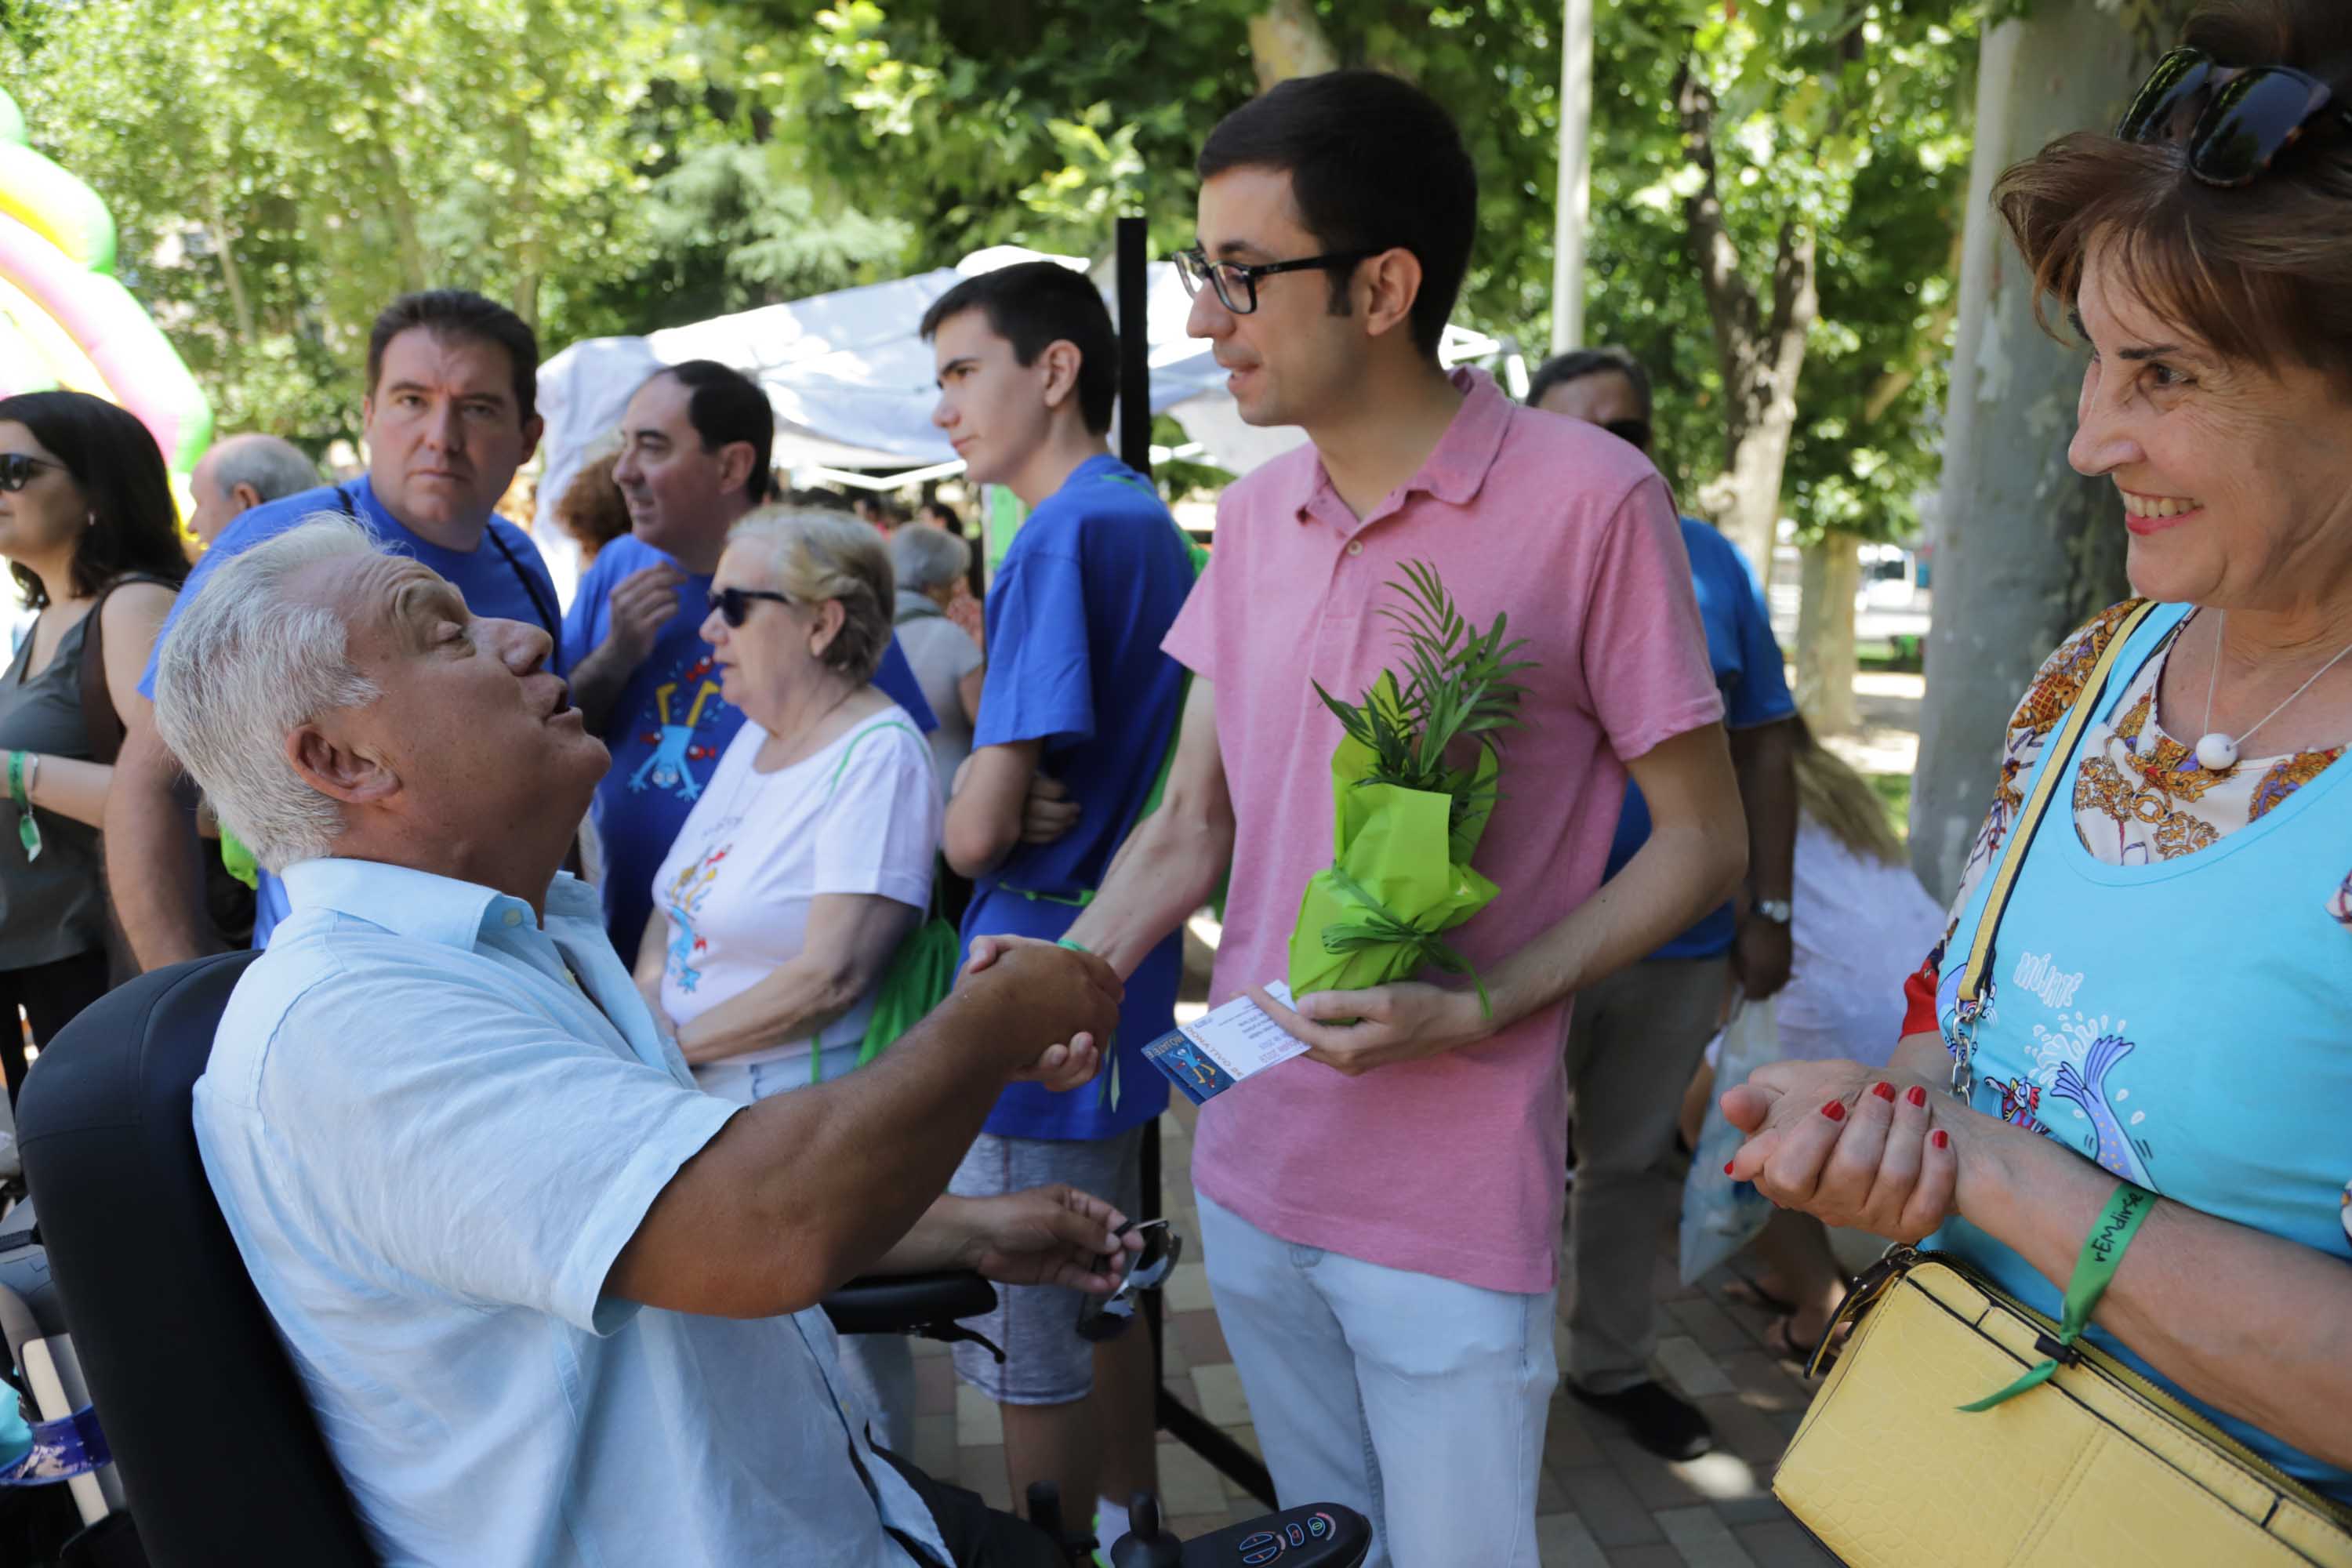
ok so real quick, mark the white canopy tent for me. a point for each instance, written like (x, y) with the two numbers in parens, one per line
(852, 384)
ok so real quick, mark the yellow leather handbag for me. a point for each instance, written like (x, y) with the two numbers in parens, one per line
(1961, 1427)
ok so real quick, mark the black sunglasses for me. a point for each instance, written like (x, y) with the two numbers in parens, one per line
(1236, 282)
(734, 605)
(2249, 114)
(1104, 1317)
(17, 469)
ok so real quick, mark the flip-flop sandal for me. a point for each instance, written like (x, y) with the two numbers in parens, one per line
(1748, 1293)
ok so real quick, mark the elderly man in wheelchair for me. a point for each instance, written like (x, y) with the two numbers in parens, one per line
(548, 1302)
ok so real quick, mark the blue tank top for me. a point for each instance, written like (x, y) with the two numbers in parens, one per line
(2182, 1024)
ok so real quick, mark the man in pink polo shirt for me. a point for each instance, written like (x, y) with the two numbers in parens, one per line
(1381, 1217)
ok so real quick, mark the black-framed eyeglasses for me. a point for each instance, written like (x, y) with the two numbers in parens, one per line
(1236, 282)
(734, 605)
(17, 469)
(1104, 1317)
(2245, 115)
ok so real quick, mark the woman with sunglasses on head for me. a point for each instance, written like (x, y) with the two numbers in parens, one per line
(2146, 987)
(808, 857)
(91, 534)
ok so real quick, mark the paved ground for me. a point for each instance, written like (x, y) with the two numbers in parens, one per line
(1603, 1501)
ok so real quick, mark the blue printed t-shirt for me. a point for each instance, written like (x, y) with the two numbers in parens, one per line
(1755, 687)
(502, 579)
(1076, 617)
(667, 727)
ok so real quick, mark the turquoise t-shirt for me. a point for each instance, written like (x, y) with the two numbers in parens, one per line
(2179, 1024)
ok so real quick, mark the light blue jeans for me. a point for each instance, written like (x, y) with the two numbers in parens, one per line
(1417, 1400)
(879, 1367)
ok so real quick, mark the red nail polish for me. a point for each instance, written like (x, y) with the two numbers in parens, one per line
(1726, 1167)
(1918, 1096)
(1884, 1091)
(1943, 1139)
(1834, 1110)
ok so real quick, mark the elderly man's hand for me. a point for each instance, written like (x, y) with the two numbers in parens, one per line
(1047, 1236)
(1051, 982)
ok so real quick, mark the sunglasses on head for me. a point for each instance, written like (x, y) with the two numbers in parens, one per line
(734, 605)
(2245, 115)
(17, 469)
(1104, 1317)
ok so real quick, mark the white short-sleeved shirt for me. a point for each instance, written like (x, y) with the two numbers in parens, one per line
(862, 816)
(431, 1125)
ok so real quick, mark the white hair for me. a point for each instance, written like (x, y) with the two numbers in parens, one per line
(273, 465)
(926, 558)
(242, 666)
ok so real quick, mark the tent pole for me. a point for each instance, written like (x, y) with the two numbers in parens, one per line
(1134, 348)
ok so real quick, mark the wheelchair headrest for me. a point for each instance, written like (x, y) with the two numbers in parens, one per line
(217, 1449)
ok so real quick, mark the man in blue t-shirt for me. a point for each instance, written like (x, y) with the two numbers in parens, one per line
(695, 445)
(1076, 692)
(1636, 1038)
(451, 412)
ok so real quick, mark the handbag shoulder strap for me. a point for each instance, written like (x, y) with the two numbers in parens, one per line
(2058, 752)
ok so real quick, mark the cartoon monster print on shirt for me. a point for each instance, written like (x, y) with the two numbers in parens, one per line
(674, 748)
(682, 903)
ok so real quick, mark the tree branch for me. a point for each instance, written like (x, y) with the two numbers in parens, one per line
(1729, 301)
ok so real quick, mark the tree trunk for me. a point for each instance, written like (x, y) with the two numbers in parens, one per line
(232, 275)
(1760, 345)
(2025, 549)
(1825, 661)
(1287, 39)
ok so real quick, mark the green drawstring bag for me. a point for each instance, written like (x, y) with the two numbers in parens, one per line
(921, 972)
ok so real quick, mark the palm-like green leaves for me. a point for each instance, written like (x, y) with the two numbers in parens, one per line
(1459, 684)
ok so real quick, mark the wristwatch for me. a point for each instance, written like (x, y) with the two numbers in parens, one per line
(1776, 910)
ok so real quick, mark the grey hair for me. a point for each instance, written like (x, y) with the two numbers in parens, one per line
(821, 555)
(245, 664)
(273, 465)
(926, 558)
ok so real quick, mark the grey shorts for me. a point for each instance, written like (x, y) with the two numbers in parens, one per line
(1045, 1363)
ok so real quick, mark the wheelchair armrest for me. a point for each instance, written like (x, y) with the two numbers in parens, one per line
(1319, 1535)
(908, 1303)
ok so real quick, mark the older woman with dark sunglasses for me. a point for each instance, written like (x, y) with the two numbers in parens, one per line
(90, 535)
(2166, 1000)
(808, 857)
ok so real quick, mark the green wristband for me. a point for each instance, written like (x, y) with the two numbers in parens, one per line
(1074, 946)
(2103, 1254)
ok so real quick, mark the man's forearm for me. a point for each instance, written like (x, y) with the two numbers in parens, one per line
(1766, 761)
(1684, 870)
(154, 858)
(596, 683)
(1168, 867)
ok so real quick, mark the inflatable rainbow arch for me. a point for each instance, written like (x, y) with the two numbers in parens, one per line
(65, 321)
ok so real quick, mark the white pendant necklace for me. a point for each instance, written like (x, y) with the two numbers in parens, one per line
(2217, 752)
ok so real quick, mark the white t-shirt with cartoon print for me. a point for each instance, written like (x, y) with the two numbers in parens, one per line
(862, 816)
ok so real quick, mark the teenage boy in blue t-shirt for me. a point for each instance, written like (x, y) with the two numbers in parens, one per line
(451, 412)
(1076, 692)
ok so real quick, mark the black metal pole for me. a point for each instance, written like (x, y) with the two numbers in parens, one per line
(1134, 347)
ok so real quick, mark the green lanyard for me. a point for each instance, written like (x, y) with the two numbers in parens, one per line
(2103, 1252)
(28, 831)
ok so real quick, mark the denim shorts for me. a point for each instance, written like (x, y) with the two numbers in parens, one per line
(1036, 1326)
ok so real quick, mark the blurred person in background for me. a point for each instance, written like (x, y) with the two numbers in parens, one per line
(809, 856)
(92, 536)
(240, 474)
(1637, 1036)
(941, 516)
(592, 509)
(929, 565)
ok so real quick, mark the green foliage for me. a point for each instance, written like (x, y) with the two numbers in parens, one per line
(1460, 684)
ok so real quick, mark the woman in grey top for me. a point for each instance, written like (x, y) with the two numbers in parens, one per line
(84, 506)
(929, 565)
